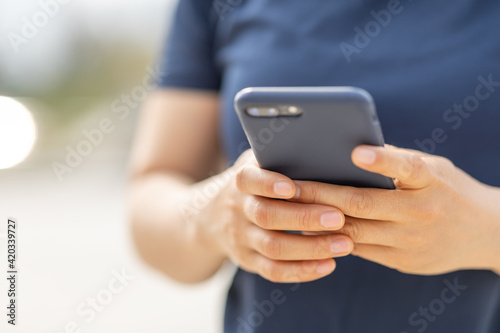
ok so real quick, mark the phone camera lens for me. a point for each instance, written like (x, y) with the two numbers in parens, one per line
(272, 112)
(263, 111)
(254, 112)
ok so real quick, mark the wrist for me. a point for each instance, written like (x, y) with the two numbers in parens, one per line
(204, 214)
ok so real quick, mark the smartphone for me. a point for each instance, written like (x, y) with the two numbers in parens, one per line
(309, 133)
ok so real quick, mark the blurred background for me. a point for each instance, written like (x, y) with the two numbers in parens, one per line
(73, 74)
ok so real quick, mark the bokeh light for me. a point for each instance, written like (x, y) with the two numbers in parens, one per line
(17, 132)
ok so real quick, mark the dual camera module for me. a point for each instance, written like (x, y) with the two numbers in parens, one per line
(274, 111)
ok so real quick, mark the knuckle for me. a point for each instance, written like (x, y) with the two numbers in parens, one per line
(416, 166)
(355, 249)
(306, 270)
(359, 203)
(446, 162)
(261, 213)
(291, 276)
(314, 193)
(441, 168)
(272, 272)
(303, 219)
(320, 247)
(353, 231)
(272, 247)
(240, 178)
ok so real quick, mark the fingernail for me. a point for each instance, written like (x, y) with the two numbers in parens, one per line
(340, 246)
(331, 220)
(324, 267)
(365, 156)
(283, 189)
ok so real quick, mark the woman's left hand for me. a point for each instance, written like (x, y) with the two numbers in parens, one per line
(437, 220)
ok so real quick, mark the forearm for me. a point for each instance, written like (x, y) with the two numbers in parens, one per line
(166, 227)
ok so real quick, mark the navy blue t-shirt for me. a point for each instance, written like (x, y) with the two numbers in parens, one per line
(433, 68)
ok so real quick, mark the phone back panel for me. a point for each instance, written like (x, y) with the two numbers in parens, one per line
(316, 145)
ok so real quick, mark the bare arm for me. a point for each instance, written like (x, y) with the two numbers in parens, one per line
(175, 147)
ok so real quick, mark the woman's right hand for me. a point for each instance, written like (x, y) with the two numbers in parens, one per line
(246, 222)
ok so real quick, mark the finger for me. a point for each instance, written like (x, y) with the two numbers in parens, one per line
(371, 231)
(291, 271)
(418, 152)
(407, 167)
(383, 255)
(251, 179)
(365, 203)
(274, 214)
(279, 245)
(395, 258)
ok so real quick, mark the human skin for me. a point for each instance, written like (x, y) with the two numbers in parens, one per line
(438, 219)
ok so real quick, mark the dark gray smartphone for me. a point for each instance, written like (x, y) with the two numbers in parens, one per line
(309, 133)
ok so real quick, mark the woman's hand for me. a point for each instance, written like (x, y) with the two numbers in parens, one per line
(438, 219)
(245, 222)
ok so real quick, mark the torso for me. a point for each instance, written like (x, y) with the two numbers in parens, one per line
(430, 56)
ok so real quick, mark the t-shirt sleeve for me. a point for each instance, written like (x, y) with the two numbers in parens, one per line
(188, 57)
